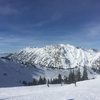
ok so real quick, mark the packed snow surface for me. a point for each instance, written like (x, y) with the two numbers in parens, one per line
(85, 90)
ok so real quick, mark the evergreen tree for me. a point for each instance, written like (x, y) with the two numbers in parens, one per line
(48, 82)
(40, 80)
(30, 83)
(78, 76)
(44, 80)
(55, 81)
(24, 83)
(59, 78)
(85, 75)
(51, 81)
(70, 78)
(35, 82)
(65, 80)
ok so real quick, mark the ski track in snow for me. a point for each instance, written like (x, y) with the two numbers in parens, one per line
(85, 90)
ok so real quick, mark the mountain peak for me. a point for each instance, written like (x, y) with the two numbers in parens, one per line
(60, 56)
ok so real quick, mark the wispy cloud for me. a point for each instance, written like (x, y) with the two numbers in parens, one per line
(8, 40)
(7, 10)
(15, 41)
(90, 30)
(52, 18)
(94, 31)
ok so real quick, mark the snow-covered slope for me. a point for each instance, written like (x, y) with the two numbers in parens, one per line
(13, 74)
(85, 90)
(60, 56)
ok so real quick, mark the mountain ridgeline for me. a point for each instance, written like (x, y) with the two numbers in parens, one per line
(59, 56)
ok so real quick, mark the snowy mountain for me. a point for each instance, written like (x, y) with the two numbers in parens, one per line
(60, 56)
(48, 62)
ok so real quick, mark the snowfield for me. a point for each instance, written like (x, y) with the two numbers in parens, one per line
(85, 90)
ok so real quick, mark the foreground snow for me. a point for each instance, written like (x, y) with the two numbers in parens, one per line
(86, 90)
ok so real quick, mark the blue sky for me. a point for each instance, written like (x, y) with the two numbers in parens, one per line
(45, 22)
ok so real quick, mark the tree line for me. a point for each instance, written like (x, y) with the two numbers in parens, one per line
(72, 78)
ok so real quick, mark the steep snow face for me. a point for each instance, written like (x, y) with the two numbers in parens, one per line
(60, 56)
